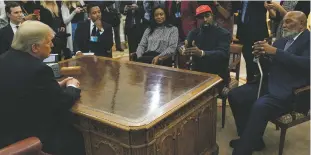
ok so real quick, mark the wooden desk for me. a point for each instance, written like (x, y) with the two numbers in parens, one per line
(128, 108)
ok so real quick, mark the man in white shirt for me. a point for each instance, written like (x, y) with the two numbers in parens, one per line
(15, 14)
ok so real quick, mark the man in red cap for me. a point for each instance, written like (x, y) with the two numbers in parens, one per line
(209, 45)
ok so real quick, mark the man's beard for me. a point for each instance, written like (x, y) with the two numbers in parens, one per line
(289, 34)
(206, 25)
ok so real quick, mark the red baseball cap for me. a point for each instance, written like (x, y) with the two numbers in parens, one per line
(202, 9)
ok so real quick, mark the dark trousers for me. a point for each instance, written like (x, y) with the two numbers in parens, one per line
(252, 115)
(134, 35)
(98, 50)
(251, 66)
(104, 54)
(148, 57)
(65, 141)
(117, 40)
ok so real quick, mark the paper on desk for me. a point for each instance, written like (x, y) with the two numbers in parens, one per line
(88, 53)
(51, 58)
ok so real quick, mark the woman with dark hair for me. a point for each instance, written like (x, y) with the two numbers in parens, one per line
(159, 39)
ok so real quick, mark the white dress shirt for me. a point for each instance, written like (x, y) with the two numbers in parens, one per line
(14, 28)
(72, 85)
(295, 38)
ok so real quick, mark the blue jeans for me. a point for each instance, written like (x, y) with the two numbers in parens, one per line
(73, 28)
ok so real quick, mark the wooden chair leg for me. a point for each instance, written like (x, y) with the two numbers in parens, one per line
(282, 141)
(223, 106)
(237, 77)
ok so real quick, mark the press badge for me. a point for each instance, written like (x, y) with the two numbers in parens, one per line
(94, 39)
(177, 15)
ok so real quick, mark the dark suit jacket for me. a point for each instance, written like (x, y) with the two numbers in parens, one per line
(54, 22)
(82, 40)
(138, 15)
(290, 69)
(32, 102)
(255, 26)
(6, 38)
(215, 42)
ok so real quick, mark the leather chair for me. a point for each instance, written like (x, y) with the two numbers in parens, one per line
(300, 114)
(29, 146)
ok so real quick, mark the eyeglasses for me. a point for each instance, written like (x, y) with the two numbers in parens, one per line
(204, 15)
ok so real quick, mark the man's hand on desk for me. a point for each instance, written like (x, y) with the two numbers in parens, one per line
(64, 82)
(73, 82)
(262, 47)
(79, 53)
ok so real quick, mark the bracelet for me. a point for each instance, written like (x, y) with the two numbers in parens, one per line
(202, 54)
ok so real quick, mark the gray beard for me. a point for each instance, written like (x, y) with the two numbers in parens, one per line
(289, 34)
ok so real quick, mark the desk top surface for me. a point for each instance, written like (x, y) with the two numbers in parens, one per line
(130, 94)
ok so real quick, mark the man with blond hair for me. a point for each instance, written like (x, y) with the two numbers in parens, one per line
(33, 103)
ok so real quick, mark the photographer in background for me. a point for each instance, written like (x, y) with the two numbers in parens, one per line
(31, 10)
(50, 14)
(278, 11)
(134, 27)
(72, 13)
(111, 15)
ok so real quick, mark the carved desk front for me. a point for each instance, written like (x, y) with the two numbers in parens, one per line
(129, 108)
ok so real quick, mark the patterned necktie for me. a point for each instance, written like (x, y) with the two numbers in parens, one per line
(289, 42)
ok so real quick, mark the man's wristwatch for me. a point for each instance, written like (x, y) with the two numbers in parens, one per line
(202, 54)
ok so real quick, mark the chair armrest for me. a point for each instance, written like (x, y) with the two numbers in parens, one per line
(301, 90)
(236, 48)
(133, 56)
(30, 145)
